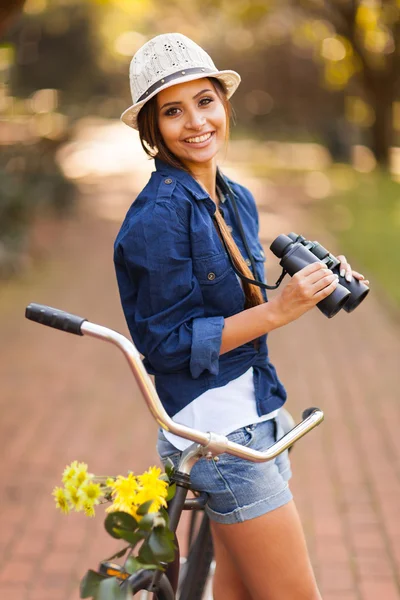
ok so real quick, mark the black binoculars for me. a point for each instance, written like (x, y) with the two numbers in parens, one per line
(296, 253)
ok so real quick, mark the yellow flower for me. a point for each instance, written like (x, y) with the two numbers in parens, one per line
(124, 489)
(81, 474)
(72, 493)
(61, 500)
(90, 493)
(75, 473)
(152, 488)
(70, 472)
(89, 509)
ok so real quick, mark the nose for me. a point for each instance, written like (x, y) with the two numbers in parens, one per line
(195, 120)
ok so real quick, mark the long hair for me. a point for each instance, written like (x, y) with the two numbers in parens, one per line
(154, 145)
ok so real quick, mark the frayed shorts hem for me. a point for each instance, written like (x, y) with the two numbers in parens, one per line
(251, 511)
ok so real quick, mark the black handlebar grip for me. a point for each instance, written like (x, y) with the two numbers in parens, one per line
(308, 411)
(53, 317)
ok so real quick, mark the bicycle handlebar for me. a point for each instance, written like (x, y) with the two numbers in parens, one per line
(53, 317)
(213, 443)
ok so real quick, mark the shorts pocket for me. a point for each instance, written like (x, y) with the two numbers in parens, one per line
(243, 436)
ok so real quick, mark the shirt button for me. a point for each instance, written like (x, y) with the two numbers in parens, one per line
(168, 181)
(248, 262)
(211, 276)
(262, 253)
(229, 228)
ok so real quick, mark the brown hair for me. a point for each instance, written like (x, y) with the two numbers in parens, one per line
(154, 145)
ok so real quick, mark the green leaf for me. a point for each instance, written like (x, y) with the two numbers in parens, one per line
(171, 492)
(143, 508)
(164, 477)
(119, 520)
(146, 556)
(90, 584)
(118, 554)
(109, 589)
(133, 537)
(165, 515)
(132, 565)
(146, 523)
(169, 467)
(161, 545)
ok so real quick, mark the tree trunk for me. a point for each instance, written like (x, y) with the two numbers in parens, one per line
(381, 98)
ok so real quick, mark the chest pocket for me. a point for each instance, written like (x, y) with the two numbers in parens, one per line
(222, 293)
(212, 270)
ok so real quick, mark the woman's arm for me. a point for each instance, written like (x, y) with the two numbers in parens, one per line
(305, 289)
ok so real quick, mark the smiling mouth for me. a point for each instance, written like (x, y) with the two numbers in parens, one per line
(199, 139)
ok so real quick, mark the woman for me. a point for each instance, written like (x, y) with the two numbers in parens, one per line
(201, 328)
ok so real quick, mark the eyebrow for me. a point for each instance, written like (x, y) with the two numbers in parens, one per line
(179, 102)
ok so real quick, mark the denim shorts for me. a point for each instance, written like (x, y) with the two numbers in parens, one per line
(238, 489)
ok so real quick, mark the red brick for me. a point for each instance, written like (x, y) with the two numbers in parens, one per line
(13, 592)
(17, 571)
(375, 590)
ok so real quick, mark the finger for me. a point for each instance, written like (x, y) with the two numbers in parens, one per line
(324, 281)
(357, 275)
(349, 273)
(343, 264)
(326, 291)
(317, 275)
(311, 268)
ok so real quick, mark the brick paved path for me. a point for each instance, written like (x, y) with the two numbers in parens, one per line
(65, 398)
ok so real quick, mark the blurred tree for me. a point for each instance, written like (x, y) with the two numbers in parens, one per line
(83, 48)
(361, 39)
(8, 10)
(58, 48)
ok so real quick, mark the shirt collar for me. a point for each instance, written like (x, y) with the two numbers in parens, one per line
(184, 178)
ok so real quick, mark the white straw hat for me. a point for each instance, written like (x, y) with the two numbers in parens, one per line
(167, 60)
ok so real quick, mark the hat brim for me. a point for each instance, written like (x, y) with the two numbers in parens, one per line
(230, 79)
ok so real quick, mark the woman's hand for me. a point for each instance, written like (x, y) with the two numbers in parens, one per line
(347, 272)
(305, 289)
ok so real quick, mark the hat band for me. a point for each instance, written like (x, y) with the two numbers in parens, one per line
(177, 75)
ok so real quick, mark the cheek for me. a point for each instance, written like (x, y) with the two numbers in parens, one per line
(169, 131)
(220, 118)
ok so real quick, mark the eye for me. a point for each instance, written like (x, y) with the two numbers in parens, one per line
(206, 100)
(171, 112)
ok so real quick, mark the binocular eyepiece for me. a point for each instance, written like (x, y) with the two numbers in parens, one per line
(296, 253)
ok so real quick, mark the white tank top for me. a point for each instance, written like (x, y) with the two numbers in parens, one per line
(220, 410)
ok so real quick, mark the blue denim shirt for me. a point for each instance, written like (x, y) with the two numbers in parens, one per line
(177, 286)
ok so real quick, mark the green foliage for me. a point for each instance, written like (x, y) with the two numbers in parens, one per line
(151, 546)
(90, 584)
(365, 219)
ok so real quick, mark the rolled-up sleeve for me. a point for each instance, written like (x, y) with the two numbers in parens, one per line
(206, 345)
(162, 298)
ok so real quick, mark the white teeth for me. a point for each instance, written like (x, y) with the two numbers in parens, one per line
(197, 140)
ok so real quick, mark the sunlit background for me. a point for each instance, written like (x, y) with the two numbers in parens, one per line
(318, 104)
(316, 137)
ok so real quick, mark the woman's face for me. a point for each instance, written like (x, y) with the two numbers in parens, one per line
(192, 121)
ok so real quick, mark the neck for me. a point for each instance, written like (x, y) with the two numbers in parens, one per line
(206, 176)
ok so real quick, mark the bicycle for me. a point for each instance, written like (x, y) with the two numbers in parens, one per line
(183, 579)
